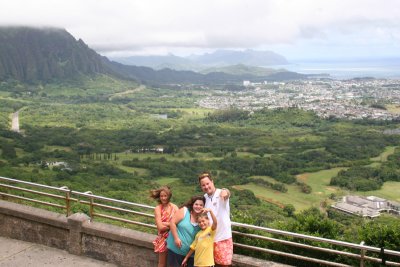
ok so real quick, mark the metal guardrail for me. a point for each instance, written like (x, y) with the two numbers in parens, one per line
(69, 197)
(94, 202)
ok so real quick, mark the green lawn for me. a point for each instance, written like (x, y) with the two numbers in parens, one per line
(299, 200)
(167, 181)
(389, 190)
(319, 181)
(249, 155)
(385, 154)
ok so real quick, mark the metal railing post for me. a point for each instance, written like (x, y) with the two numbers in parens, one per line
(362, 253)
(67, 200)
(91, 206)
(68, 203)
(383, 256)
(91, 209)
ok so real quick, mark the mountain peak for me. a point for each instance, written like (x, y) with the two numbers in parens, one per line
(32, 54)
(218, 58)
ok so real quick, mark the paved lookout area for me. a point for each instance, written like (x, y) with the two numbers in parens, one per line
(15, 253)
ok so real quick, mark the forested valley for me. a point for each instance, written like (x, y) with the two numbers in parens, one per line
(120, 139)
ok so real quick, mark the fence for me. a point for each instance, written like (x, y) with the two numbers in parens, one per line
(133, 213)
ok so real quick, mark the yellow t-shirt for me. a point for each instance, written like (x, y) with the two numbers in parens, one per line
(203, 245)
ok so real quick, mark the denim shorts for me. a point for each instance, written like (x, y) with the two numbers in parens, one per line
(175, 260)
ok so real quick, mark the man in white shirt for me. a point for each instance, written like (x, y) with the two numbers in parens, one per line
(218, 201)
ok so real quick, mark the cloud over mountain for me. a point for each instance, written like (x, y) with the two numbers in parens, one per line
(292, 28)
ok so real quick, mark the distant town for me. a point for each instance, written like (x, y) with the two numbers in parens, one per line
(351, 99)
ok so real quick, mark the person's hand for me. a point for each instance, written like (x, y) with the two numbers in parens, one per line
(178, 243)
(184, 263)
(224, 194)
(205, 210)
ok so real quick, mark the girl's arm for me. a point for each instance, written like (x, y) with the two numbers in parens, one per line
(174, 209)
(161, 227)
(184, 262)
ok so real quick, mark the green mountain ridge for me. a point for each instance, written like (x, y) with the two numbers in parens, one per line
(242, 69)
(34, 55)
(219, 58)
(45, 54)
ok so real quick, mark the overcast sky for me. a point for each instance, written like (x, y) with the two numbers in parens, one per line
(296, 29)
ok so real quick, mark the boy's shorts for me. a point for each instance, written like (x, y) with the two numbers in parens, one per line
(223, 252)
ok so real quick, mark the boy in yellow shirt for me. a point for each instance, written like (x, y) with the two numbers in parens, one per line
(203, 244)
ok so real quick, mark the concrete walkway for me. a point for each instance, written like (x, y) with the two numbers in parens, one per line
(15, 253)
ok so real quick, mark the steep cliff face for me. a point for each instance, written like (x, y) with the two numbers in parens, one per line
(45, 54)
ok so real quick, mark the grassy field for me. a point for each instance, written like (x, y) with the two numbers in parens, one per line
(389, 190)
(385, 154)
(167, 181)
(249, 155)
(377, 161)
(321, 190)
(395, 109)
(319, 181)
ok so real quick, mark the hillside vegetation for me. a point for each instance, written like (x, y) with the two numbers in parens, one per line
(32, 55)
(120, 138)
(106, 131)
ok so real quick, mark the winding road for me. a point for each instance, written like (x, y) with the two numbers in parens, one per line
(15, 122)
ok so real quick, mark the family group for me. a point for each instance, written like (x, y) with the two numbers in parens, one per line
(196, 234)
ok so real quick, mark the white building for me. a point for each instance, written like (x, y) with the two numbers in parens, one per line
(246, 83)
(370, 207)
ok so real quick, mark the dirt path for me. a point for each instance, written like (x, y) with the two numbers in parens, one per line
(138, 89)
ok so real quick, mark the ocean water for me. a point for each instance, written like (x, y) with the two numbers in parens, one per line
(389, 69)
